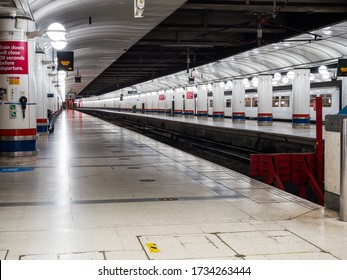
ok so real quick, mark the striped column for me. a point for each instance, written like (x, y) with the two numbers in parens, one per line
(202, 102)
(239, 114)
(161, 102)
(155, 102)
(149, 107)
(218, 102)
(189, 104)
(17, 81)
(178, 102)
(301, 99)
(265, 100)
(168, 101)
(41, 89)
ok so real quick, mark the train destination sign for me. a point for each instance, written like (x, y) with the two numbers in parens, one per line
(14, 57)
(65, 61)
(342, 68)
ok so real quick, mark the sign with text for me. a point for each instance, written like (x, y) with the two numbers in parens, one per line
(190, 95)
(342, 68)
(13, 57)
(65, 61)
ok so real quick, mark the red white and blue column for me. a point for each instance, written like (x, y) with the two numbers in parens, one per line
(239, 115)
(218, 102)
(178, 102)
(17, 83)
(265, 100)
(41, 89)
(161, 102)
(301, 99)
(202, 111)
(168, 101)
(189, 103)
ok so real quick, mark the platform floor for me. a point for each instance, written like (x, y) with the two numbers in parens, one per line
(278, 128)
(102, 192)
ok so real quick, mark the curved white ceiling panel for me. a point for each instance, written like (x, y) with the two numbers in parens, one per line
(267, 59)
(99, 32)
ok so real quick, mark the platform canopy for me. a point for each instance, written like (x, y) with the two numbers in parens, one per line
(310, 50)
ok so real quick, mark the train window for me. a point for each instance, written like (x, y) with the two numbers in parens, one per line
(255, 102)
(211, 103)
(248, 101)
(276, 101)
(228, 103)
(326, 100)
(284, 101)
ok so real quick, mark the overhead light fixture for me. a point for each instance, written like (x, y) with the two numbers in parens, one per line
(291, 75)
(285, 80)
(56, 32)
(322, 70)
(59, 45)
(277, 76)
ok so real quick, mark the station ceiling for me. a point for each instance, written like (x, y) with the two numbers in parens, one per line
(114, 50)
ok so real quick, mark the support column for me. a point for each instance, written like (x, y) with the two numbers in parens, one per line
(178, 110)
(17, 93)
(161, 104)
(202, 102)
(344, 92)
(239, 114)
(189, 103)
(218, 102)
(301, 99)
(41, 89)
(168, 102)
(155, 102)
(148, 102)
(265, 100)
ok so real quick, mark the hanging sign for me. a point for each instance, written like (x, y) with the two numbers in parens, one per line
(14, 57)
(342, 68)
(65, 61)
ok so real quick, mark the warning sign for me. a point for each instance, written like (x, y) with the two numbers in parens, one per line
(13, 112)
(152, 247)
(13, 57)
(14, 80)
(190, 95)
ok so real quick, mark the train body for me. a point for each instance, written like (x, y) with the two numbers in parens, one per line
(158, 103)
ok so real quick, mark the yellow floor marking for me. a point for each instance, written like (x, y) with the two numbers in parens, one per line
(152, 247)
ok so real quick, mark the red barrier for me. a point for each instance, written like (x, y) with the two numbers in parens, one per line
(297, 169)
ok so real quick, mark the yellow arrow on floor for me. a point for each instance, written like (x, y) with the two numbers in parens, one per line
(152, 247)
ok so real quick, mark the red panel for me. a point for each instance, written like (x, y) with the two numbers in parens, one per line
(18, 132)
(14, 57)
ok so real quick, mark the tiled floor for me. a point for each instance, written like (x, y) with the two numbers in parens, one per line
(101, 192)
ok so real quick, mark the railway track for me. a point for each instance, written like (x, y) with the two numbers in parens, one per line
(232, 157)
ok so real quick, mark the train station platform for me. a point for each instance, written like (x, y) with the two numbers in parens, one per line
(100, 191)
(281, 137)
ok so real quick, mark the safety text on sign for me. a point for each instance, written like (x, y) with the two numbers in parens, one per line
(13, 57)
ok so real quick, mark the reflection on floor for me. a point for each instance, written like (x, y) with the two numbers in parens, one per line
(100, 191)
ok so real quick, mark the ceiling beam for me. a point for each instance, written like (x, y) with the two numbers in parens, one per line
(293, 8)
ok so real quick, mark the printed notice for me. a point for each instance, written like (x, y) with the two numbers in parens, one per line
(13, 57)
